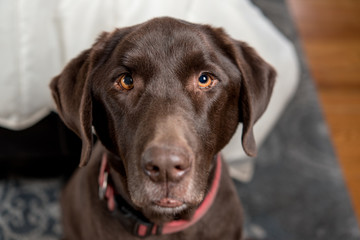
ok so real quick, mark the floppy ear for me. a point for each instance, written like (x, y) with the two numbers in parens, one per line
(71, 91)
(258, 79)
(72, 95)
(257, 82)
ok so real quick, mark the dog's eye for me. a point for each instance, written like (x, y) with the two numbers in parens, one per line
(205, 80)
(125, 82)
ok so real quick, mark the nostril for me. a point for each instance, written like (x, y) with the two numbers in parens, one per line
(179, 167)
(152, 170)
(176, 173)
(155, 169)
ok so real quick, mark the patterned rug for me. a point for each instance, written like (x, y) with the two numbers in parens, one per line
(29, 209)
(297, 193)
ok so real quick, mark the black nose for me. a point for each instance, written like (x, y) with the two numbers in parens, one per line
(166, 163)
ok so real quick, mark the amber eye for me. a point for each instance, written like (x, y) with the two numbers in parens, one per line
(125, 81)
(205, 80)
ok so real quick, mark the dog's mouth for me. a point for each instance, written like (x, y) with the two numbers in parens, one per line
(162, 203)
(169, 203)
(173, 202)
(169, 206)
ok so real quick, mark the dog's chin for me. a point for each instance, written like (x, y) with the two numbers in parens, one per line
(167, 202)
(158, 213)
(167, 210)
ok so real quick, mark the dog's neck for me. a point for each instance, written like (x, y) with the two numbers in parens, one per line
(132, 218)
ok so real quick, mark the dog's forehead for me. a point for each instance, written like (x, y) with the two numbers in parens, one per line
(167, 32)
(165, 42)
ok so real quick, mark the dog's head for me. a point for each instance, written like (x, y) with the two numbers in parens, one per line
(165, 96)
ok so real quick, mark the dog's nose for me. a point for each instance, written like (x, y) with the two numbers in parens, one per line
(166, 163)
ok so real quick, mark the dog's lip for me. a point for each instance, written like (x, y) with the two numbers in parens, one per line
(169, 203)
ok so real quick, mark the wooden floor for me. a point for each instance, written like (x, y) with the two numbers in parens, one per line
(330, 33)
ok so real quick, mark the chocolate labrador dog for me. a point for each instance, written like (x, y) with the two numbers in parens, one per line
(163, 98)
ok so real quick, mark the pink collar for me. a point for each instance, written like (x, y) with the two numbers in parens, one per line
(138, 224)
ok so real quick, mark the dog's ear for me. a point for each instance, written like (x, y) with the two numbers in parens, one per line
(72, 93)
(72, 96)
(257, 82)
(72, 90)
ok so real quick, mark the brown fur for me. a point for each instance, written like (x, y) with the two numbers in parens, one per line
(166, 118)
